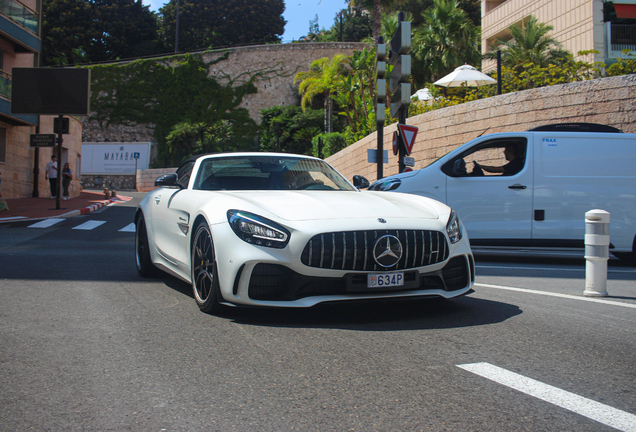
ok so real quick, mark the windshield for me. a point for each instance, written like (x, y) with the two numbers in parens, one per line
(268, 173)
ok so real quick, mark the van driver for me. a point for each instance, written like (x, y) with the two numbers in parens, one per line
(514, 165)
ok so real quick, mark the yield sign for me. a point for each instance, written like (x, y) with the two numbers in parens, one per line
(408, 134)
(396, 142)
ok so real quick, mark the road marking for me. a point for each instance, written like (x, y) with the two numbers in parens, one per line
(607, 415)
(46, 223)
(128, 228)
(551, 294)
(89, 225)
(553, 269)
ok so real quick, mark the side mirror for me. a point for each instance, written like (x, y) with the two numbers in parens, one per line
(360, 182)
(167, 180)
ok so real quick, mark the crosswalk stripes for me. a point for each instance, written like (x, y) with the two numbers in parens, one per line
(90, 225)
(128, 228)
(86, 226)
(46, 223)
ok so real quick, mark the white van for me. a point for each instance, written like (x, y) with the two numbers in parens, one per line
(533, 188)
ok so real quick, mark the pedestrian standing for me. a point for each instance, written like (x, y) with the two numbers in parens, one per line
(67, 176)
(50, 173)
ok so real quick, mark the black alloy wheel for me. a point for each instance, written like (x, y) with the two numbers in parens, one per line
(205, 280)
(145, 268)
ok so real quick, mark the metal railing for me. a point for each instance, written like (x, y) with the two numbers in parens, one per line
(623, 36)
(5, 85)
(20, 14)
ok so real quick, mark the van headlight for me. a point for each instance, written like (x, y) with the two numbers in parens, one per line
(388, 184)
(257, 230)
(453, 228)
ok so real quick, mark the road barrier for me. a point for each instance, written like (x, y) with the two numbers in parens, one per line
(597, 242)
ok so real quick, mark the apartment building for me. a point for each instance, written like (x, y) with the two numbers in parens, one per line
(20, 46)
(608, 27)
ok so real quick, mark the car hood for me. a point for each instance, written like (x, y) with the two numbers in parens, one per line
(316, 205)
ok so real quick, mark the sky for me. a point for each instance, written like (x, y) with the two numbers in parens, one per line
(297, 13)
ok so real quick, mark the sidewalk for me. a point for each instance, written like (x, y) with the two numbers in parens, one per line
(41, 208)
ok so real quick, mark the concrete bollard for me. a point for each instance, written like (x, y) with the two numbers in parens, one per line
(597, 242)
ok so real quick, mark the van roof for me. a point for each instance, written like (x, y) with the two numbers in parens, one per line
(576, 127)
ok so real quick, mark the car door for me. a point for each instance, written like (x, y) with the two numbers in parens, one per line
(172, 219)
(493, 205)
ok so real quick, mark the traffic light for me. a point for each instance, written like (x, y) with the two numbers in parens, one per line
(380, 81)
(399, 80)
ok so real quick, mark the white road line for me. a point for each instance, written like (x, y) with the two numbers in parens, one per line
(46, 223)
(551, 294)
(89, 225)
(607, 415)
(128, 228)
(611, 270)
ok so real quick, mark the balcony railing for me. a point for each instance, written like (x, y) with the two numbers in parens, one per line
(5, 85)
(20, 14)
(622, 37)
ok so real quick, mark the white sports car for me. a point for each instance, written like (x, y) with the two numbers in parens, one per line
(267, 229)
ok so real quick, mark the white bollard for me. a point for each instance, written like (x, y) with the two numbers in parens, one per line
(597, 242)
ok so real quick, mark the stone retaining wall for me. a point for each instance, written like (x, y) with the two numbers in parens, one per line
(112, 182)
(609, 101)
(289, 59)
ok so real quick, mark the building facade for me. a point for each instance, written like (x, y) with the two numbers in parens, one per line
(608, 27)
(22, 167)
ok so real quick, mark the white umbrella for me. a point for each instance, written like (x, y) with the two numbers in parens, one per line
(422, 94)
(465, 75)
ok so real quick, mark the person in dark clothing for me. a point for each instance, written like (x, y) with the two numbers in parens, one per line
(67, 176)
(514, 165)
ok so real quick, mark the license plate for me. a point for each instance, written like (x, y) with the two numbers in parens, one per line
(381, 280)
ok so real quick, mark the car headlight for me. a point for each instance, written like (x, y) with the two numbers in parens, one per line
(453, 229)
(388, 184)
(257, 230)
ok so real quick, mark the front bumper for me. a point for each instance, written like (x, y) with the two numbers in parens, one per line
(278, 285)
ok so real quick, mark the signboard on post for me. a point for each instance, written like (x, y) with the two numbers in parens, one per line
(115, 158)
(407, 135)
(396, 142)
(42, 140)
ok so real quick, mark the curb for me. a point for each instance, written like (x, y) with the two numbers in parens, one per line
(78, 212)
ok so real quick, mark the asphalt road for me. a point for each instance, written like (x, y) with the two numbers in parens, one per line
(86, 344)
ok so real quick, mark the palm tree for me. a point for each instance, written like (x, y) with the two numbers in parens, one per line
(530, 43)
(446, 39)
(320, 79)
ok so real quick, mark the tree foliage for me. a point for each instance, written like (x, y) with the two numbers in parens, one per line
(82, 31)
(445, 40)
(350, 25)
(290, 129)
(214, 23)
(320, 80)
(530, 44)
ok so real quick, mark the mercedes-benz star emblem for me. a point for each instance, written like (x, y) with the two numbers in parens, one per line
(387, 251)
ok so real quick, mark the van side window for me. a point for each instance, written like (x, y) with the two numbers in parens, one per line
(500, 157)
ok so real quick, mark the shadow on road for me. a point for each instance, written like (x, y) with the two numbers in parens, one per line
(391, 315)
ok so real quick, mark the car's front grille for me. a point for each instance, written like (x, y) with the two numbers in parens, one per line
(353, 250)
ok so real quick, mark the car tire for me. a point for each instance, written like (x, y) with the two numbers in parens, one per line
(145, 268)
(205, 274)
